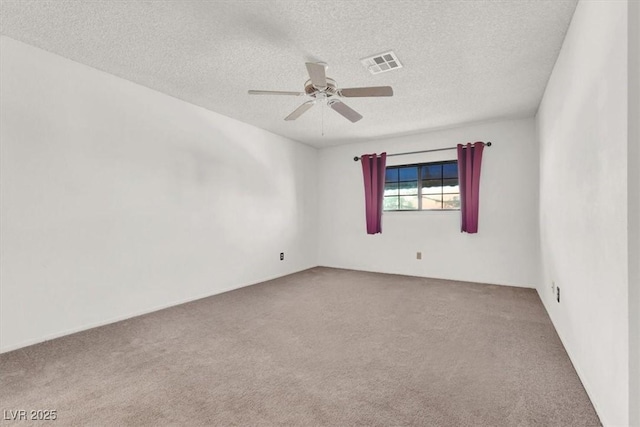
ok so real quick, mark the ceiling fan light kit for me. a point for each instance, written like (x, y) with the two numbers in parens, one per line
(320, 87)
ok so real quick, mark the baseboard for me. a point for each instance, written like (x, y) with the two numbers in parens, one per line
(428, 277)
(138, 313)
(581, 376)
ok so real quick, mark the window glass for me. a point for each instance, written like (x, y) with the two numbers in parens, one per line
(408, 173)
(408, 188)
(408, 202)
(390, 203)
(391, 189)
(424, 186)
(432, 172)
(450, 185)
(432, 201)
(432, 186)
(450, 170)
(451, 201)
(391, 175)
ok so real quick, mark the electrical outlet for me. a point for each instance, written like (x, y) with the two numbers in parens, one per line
(558, 293)
(281, 256)
(418, 255)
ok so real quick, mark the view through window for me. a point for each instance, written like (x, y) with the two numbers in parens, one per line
(421, 187)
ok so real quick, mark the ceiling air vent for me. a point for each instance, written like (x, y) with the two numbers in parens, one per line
(381, 63)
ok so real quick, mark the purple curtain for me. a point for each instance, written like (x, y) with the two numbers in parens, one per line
(469, 163)
(373, 172)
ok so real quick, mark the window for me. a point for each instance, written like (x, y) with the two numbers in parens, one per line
(422, 187)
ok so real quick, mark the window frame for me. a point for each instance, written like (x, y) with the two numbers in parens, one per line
(419, 180)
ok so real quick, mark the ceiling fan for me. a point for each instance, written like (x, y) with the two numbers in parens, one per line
(321, 88)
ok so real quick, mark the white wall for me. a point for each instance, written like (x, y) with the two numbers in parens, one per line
(633, 170)
(505, 250)
(582, 126)
(118, 200)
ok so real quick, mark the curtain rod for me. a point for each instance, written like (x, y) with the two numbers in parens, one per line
(488, 144)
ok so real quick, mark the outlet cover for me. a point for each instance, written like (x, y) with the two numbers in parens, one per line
(418, 255)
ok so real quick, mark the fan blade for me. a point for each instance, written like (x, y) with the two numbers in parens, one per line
(300, 110)
(354, 92)
(318, 75)
(274, 92)
(346, 111)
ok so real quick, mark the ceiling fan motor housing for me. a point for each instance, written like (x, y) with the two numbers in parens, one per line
(330, 90)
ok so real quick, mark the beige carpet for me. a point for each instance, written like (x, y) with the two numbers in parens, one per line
(321, 347)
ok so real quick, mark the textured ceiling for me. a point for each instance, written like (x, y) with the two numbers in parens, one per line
(464, 61)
